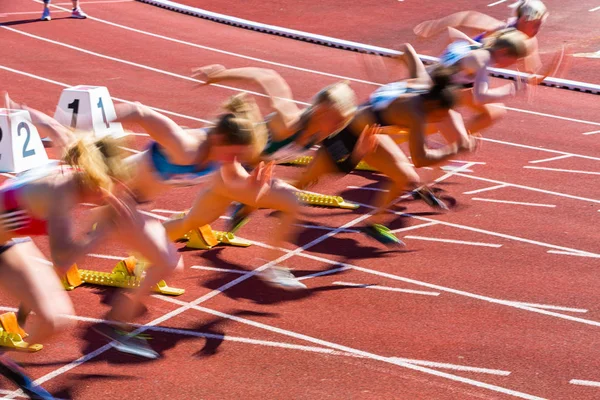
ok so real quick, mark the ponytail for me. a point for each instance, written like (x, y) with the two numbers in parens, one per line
(98, 162)
(442, 91)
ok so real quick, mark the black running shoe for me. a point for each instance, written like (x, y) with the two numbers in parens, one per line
(426, 194)
(125, 342)
(12, 371)
(382, 234)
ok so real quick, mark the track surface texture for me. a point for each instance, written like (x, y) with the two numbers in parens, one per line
(495, 299)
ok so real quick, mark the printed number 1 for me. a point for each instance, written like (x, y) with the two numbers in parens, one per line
(75, 107)
(101, 106)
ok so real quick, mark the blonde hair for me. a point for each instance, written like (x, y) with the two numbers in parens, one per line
(511, 39)
(340, 96)
(243, 124)
(532, 10)
(98, 161)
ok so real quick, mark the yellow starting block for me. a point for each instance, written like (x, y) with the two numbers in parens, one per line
(324, 200)
(12, 335)
(123, 276)
(305, 160)
(205, 238)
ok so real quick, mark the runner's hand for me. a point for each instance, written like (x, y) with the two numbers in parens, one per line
(367, 141)
(261, 178)
(207, 73)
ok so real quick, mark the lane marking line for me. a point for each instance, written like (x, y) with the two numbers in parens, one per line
(520, 203)
(431, 239)
(486, 189)
(386, 288)
(551, 159)
(573, 171)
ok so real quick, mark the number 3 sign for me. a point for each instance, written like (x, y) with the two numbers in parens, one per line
(20, 145)
(88, 108)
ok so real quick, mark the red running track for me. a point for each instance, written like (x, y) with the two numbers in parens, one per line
(467, 315)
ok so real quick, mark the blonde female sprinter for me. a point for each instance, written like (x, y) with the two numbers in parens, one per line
(293, 131)
(41, 202)
(529, 15)
(99, 167)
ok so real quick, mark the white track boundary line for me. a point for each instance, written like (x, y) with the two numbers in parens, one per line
(569, 196)
(550, 159)
(389, 360)
(581, 382)
(323, 273)
(431, 239)
(574, 253)
(485, 189)
(385, 288)
(573, 171)
(510, 303)
(550, 307)
(519, 203)
(412, 227)
(524, 146)
(114, 98)
(284, 345)
(591, 133)
(349, 45)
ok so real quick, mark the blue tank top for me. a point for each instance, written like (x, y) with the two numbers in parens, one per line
(179, 174)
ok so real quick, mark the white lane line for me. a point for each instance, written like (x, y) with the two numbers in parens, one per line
(591, 133)
(367, 188)
(386, 288)
(161, 210)
(323, 273)
(159, 217)
(550, 307)
(569, 196)
(573, 171)
(269, 343)
(95, 2)
(410, 228)
(33, 76)
(496, 3)
(27, 13)
(130, 150)
(488, 299)
(551, 158)
(229, 53)
(520, 203)
(455, 367)
(547, 115)
(594, 9)
(580, 381)
(232, 271)
(389, 360)
(430, 239)
(106, 256)
(524, 146)
(7, 175)
(485, 189)
(574, 253)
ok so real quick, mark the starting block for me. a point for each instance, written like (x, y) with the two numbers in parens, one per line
(88, 108)
(204, 238)
(324, 200)
(305, 160)
(20, 145)
(12, 335)
(127, 274)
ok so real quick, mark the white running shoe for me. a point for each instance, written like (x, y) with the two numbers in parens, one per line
(282, 278)
(78, 13)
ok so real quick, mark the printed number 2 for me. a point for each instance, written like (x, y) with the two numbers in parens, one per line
(101, 106)
(75, 107)
(26, 153)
